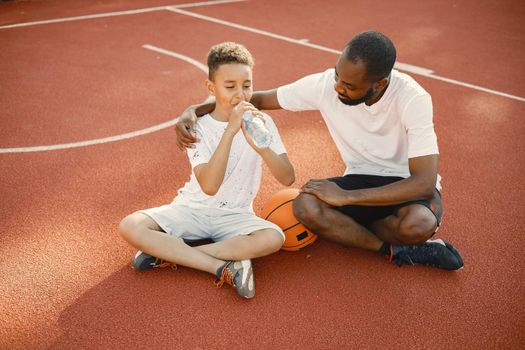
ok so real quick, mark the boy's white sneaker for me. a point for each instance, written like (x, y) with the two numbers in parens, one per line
(238, 274)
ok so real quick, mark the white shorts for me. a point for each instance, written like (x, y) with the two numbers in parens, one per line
(193, 224)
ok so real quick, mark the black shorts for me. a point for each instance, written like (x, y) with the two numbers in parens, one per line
(366, 215)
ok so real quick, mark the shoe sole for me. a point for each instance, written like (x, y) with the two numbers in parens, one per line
(247, 278)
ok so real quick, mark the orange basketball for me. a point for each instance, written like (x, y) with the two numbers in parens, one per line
(279, 210)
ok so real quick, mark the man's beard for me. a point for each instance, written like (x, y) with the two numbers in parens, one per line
(353, 102)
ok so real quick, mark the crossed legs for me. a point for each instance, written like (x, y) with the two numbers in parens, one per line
(144, 233)
(412, 224)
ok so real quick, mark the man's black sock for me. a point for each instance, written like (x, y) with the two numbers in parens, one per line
(385, 249)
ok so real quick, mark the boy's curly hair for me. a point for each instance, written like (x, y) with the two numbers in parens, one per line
(227, 52)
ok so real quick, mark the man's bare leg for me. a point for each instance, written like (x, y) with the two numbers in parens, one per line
(333, 225)
(336, 226)
(413, 224)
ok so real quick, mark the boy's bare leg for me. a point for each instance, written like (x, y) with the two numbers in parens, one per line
(256, 244)
(144, 234)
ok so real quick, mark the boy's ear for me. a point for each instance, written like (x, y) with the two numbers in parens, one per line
(210, 86)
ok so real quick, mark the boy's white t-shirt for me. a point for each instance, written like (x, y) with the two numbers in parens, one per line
(243, 172)
(372, 140)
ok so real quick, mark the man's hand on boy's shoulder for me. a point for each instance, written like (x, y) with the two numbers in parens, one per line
(184, 129)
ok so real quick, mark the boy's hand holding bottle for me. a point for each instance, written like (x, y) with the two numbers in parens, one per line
(251, 120)
(235, 120)
(255, 131)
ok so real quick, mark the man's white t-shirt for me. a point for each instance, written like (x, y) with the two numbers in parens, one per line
(243, 171)
(372, 140)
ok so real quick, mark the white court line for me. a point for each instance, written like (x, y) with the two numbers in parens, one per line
(401, 66)
(117, 13)
(117, 137)
(90, 142)
(175, 8)
(179, 56)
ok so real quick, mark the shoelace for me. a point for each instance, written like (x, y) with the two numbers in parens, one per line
(226, 276)
(163, 263)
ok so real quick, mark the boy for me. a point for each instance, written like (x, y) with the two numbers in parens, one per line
(216, 203)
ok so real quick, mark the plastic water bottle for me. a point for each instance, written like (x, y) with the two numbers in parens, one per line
(256, 130)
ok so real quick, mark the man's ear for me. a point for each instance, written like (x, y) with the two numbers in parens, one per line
(210, 86)
(380, 85)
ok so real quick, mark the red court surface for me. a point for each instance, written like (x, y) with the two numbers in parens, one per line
(65, 278)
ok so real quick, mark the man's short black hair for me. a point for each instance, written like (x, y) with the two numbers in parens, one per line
(375, 50)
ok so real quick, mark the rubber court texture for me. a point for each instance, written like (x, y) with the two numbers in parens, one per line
(98, 85)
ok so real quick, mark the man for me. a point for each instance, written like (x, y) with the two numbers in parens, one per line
(388, 200)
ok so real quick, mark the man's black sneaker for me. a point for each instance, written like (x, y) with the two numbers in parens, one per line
(144, 261)
(435, 253)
